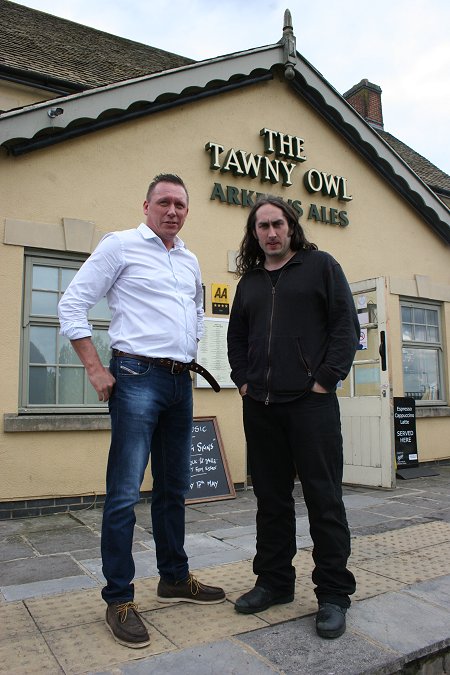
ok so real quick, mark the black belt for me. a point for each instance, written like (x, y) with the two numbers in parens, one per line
(175, 367)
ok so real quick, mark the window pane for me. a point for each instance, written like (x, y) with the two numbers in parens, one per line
(100, 311)
(420, 333)
(432, 334)
(432, 317)
(419, 315)
(42, 385)
(44, 303)
(66, 352)
(407, 314)
(421, 373)
(67, 275)
(71, 386)
(43, 344)
(54, 372)
(100, 338)
(408, 331)
(367, 379)
(45, 277)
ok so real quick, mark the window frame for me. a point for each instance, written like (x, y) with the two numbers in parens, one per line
(48, 259)
(418, 344)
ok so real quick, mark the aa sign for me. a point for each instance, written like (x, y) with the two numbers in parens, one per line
(220, 297)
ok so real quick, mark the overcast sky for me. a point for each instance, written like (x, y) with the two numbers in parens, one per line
(401, 45)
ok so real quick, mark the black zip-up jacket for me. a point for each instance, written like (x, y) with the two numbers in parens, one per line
(282, 338)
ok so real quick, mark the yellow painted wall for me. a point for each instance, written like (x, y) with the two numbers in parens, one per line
(17, 95)
(103, 177)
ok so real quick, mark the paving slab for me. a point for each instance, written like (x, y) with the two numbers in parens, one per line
(214, 524)
(400, 622)
(201, 544)
(295, 648)
(30, 655)
(145, 563)
(399, 509)
(246, 543)
(47, 523)
(363, 517)
(302, 526)
(362, 501)
(300, 509)
(38, 568)
(87, 647)
(15, 621)
(304, 542)
(436, 591)
(187, 625)
(388, 525)
(219, 508)
(38, 589)
(193, 515)
(224, 656)
(232, 532)
(13, 547)
(63, 539)
(442, 514)
(218, 558)
(241, 517)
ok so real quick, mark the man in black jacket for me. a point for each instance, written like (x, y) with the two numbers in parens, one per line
(292, 336)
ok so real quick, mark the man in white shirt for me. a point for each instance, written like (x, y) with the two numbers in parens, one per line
(154, 291)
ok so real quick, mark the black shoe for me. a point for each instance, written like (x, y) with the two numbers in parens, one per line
(330, 620)
(126, 626)
(259, 599)
(189, 590)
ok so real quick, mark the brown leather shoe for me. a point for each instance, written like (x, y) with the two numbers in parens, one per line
(189, 590)
(126, 626)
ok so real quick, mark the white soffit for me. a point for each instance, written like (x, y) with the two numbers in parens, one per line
(26, 122)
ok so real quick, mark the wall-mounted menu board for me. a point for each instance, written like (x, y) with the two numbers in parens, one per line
(210, 476)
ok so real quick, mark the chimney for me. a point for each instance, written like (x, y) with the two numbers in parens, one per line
(365, 98)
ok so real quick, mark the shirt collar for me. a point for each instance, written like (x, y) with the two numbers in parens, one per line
(148, 233)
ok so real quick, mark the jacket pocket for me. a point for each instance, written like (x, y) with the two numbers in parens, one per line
(290, 372)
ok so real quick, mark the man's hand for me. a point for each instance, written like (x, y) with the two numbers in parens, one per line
(318, 389)
(103, 382)
(243, 389)
(100, 377)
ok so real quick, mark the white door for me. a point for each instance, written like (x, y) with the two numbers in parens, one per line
(365, 395)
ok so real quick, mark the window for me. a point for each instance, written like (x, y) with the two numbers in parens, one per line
(422, 352)
(53, 379)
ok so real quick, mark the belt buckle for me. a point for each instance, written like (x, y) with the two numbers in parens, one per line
(175, 369)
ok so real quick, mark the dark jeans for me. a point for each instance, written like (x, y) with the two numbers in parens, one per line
(151, 411)
(303, 437)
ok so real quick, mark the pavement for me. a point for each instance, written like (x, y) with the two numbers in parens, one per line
(52, 615)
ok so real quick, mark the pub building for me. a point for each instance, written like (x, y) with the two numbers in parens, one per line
(88, 119)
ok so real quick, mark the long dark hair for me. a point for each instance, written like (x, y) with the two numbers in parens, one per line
(250, 253)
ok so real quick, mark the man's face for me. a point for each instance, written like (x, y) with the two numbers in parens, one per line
(273, 233)
(166, 211)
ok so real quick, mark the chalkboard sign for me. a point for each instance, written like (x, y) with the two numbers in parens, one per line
(405, 432)
(210, 477)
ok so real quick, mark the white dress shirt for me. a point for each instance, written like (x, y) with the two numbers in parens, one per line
(155, 295)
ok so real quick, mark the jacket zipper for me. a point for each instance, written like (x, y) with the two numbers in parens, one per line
(308, 371)
(269, 343)
(266, 402)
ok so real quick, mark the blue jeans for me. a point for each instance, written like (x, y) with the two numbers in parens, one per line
(151, 414)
